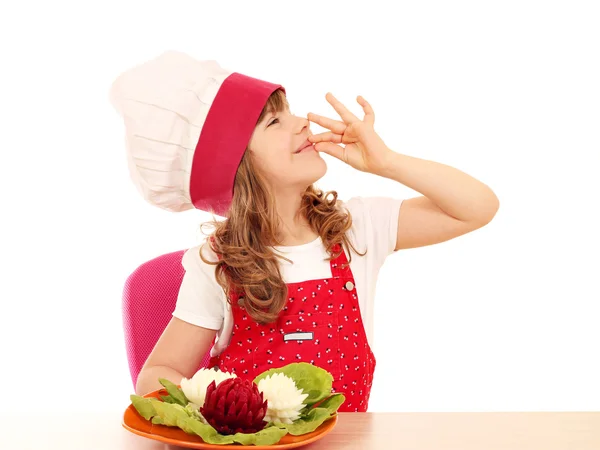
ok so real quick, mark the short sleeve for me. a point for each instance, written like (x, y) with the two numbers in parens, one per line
(374, 226)
(200, 300)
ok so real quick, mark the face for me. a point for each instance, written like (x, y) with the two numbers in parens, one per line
(274, 146)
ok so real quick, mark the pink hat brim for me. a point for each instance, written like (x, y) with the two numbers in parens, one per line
(223, 140)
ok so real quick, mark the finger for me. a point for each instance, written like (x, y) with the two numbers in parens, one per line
(326, 137)
(334, 125)
(331, 149)
(369, 113)
(344, 113)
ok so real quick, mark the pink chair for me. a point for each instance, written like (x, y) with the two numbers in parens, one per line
(149, 298)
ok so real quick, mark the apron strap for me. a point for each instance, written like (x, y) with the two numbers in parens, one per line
(339, 266)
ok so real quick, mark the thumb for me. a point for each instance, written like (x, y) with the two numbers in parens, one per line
(331, 149)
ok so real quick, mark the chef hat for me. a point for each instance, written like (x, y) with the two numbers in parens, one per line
(187, 125)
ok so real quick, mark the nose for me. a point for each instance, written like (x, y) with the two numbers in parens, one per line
(302, 124)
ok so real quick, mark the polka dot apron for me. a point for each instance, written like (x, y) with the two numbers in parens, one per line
(321, 324)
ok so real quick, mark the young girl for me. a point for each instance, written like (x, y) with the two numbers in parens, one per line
(290, 274)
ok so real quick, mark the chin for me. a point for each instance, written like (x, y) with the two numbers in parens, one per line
(319, 171)
(307, 175)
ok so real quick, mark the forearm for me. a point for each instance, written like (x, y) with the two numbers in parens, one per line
(148, 378)
(454, 192)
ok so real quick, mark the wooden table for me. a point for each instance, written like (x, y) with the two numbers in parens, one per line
(354, 431)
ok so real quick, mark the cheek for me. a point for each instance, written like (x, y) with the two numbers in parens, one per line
(276, 162)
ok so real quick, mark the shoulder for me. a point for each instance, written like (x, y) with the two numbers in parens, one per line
(374, 222)
(192, 256)
(200, 301)
(195, 266)
(362, 205)
(369, 212)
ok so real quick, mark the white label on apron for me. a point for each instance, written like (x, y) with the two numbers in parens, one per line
(298, 337)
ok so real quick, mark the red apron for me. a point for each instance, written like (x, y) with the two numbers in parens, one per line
(321, 324)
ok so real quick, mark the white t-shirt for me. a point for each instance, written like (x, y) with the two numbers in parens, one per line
(202, 302)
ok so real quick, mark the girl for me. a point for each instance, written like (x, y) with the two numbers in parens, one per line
(290, 274)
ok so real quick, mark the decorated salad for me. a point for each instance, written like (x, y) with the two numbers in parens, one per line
(224, 409)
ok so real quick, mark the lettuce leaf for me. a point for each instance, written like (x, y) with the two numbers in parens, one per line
(309, 423)
(176, 395)
(313, 380)
(175, 415)
(333, 403)
(321, 405)
(174, 409)
(144, 406)
(315, 417)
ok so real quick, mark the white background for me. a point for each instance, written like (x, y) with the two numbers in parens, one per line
(503, 319)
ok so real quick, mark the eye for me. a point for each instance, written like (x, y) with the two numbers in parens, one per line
(272, 122)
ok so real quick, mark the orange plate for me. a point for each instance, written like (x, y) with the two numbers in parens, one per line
(135, 423)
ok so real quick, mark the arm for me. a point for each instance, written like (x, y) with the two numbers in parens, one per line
(453, 203)
(177, 354)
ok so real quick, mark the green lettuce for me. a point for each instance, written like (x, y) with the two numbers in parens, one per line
(314, 417)
(313, 380)
(176, 395)
(175, 415)
(333, 403)
(307, 424)
(321, 405)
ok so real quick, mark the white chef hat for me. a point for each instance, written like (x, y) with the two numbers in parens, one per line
(187, 126)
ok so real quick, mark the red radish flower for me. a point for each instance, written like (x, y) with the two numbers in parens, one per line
(234, 406)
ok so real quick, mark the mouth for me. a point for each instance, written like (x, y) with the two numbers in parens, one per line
(306, 145)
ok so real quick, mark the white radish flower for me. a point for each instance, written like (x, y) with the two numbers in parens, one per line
(195, 388)
(284, 399)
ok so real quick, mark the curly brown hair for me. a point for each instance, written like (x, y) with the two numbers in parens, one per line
(247, 265)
